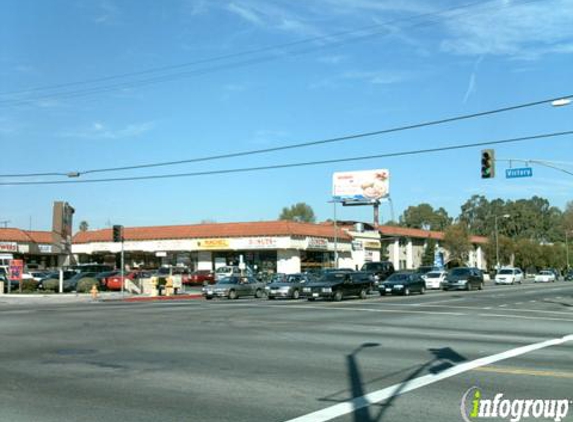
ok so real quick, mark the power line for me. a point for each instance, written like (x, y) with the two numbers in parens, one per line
(292, 165)
(301, 144)
(170, 77)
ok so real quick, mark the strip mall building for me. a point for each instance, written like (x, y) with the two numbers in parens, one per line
(275, 246)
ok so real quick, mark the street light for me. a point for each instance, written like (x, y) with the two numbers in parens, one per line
(567, 247)
(561, 102)
(496, 217)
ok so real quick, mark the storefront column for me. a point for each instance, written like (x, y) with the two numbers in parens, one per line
(409, 255)
(205, 260)
(396, 254)
(479, 258)
(288, 261)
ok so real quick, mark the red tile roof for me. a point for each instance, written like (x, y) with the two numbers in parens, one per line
(419, 233)
(18, 235)
(263, 228)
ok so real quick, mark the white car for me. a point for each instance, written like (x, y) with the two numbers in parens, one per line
(434, 279)
(545, 277)
(509, 276)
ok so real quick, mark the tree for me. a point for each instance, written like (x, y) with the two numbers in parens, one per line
(457, 242)
(429, 253)
(424, 216)
(300, 212)
(84, 226)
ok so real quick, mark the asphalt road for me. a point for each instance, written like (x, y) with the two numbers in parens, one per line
(257, 360)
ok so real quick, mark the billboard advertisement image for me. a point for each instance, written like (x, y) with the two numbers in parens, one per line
(366, 185)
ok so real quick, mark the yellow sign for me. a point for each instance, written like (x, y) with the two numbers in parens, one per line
(213, 244)
(372, 245)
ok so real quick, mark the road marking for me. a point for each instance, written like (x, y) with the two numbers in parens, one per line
(478, 308)
(356, 403)
(524, 371)
(392, 311)
(503, 306)
(536, 318)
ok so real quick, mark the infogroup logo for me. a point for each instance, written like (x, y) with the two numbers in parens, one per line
(475, 406)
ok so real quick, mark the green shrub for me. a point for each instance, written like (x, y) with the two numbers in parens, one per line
(52, 284)
(85, 285)
(29, 286)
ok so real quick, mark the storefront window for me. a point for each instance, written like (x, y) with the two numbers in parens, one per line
(314, 260)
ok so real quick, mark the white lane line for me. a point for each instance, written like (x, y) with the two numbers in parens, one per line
(478, 308)
(536, 318)
(350, 406)
(503, 306)
(391, 311)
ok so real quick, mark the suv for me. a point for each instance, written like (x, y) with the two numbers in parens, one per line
(463, 278)
(381, 270)
(509, 276)
(336, 284)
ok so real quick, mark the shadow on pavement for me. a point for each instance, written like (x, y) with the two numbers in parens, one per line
(442, 359)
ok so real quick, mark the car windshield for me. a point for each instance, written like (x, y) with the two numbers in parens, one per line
(224, 270)
(433, 275)
(545, 273)
(370, 267)
(459, 272)
(332, 277)
(229, 280)
(504, 272)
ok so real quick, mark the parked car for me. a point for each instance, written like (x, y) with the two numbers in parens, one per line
(381, 270)
(103, 276)
(336, 285)
(463, 278)
(201, 277)
(38, 275)
(545, 276)
(235, 287)
(289, 286)
(114, 282)
(434, 279)
(404, 283)
(509, 276)
(569, 276)
(55, 275)
(71, 284)
(231, 271)
(424, 269)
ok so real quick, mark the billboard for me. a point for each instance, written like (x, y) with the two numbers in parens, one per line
(366, 185)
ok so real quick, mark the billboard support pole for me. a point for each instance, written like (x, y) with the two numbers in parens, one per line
(376, 213)
(335, 237)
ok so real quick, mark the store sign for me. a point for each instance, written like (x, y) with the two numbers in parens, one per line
(213, 244)
(8, 247)
(367, 185)
(256, 243)
(45, 248)
(317, 243)
(24, 248)
(16, 269)
(357, 245)
(372, 245)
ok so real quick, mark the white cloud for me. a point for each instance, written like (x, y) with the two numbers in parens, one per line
(98, 130)
(248, 14)
(108, 13)
(524, 31)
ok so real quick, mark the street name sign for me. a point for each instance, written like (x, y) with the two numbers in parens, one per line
(515, 173)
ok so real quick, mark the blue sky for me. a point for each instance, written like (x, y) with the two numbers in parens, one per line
(421, 64)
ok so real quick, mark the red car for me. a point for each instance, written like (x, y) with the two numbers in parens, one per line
(200, 277)
(115, 282)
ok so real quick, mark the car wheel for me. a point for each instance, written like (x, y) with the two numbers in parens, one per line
(232, 294)
(382, 293)
(271, 297)
(337, 296)
(422, 290)
(295, 294)
(208, 297)
(407, 291)
(363, 294)
(310, 299)
(469, 287)
(258, 293)
(480, 286)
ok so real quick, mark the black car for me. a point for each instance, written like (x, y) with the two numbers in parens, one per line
(55, 275)
(404, 283)
(463, 278)
(336, 285)
(381, 270)
(71, 284)
(569, 276)
(287, 286)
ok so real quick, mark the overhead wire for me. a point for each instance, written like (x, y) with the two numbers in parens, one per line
(292, 165)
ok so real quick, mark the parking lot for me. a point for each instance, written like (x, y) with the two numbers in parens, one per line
(260, 360)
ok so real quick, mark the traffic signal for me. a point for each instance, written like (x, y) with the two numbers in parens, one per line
(487, 164)
(118, 233)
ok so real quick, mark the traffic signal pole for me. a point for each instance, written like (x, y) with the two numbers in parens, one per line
(122, 270)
